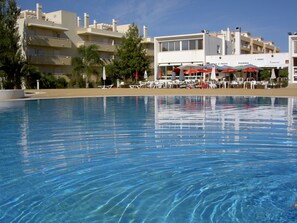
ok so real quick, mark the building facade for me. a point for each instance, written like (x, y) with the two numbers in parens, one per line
(292, 57)
(191, 49)
(50, 40)
(223, 48)
(244, 43)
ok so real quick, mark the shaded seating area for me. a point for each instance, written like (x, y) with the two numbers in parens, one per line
(214, 76)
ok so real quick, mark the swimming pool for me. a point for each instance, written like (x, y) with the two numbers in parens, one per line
(149, 159)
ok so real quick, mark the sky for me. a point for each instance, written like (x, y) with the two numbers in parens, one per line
(271, 20)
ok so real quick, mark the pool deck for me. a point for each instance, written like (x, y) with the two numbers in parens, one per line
(290, 91)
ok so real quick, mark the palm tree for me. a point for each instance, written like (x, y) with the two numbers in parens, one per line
(87, 62)
(14, 68)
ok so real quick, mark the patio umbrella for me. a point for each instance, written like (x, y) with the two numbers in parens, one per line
(104, 75)
(173, 77)
(213, 73)
(273, 76)
(136, 75)
(250, 68)
(208, 68)
(190, 72)
(160, 74)
(189, 67)
(181, 75)
(145, 75)
(229, 70)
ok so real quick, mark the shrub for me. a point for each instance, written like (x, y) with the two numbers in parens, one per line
(50, 81)
(61, 82)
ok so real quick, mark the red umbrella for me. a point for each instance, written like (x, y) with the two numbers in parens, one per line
(136, 75)
(250, 69)
(187, 72)
(208, 70)
(160, 74)
(229, 70)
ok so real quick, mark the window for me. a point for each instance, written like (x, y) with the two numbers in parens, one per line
(181, 45)
(177, 45)
(218, 49)
(164, 46)
(294, 61)
(192, 44)
(185, 45)
(171, 46)
(200, 44)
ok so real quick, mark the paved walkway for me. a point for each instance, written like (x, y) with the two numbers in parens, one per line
(290, 91)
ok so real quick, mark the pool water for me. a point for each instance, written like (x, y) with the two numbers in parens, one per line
(149, 159)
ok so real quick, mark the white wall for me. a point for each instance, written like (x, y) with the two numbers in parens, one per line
(260, 60)
(210, 54)
(237, 44)
(292, 41)
(211, 45)
(178, 57)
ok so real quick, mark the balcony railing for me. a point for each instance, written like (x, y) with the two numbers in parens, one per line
(99, 32)
(105, 47)
(257, 50)
(49, 41)
(49, 60)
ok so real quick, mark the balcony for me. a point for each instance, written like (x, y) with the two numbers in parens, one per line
(246, 47)
(150, 52)
(49, 41)
(37, 23)
(258, 43)
(148, 40)
(257, 50)
(49, 60)
(245, 39)
(99, 32)
(103, 47)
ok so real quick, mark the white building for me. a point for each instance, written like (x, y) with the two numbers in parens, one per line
(224, 48)
(186, 50)
(293, 57)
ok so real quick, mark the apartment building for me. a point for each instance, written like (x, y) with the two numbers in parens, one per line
(244, 43)
(50, 40)
(225, 48)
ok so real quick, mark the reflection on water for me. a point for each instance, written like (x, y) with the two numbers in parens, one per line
(149, 159)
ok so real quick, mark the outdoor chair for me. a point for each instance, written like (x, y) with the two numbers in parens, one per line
(107, 86)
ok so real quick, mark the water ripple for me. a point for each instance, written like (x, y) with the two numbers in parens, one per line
(149, 159)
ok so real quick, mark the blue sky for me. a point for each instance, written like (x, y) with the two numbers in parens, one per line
(272, 20)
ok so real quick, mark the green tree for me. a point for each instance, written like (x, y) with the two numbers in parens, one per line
(264, 74)
(130, 56)
(284, 73)
(31, 76)
(87, 63)
(12, 63)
